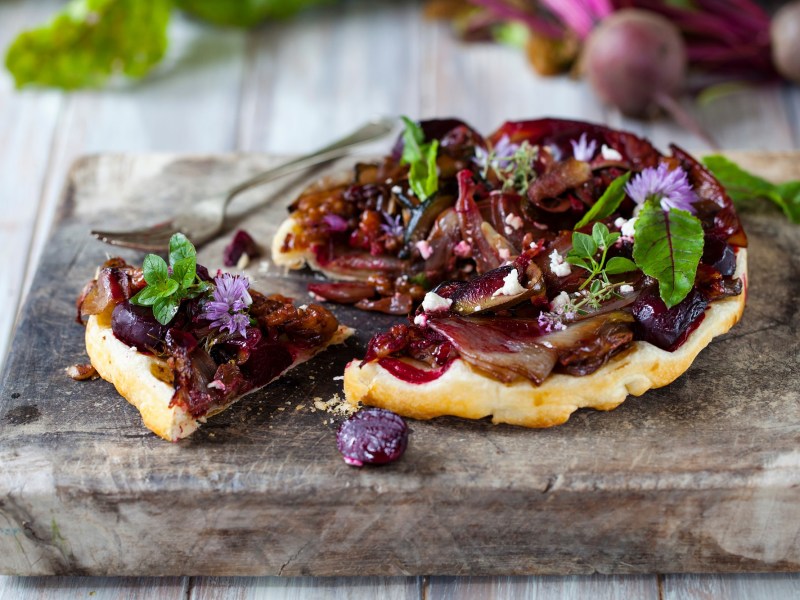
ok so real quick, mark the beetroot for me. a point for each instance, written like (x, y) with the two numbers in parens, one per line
(785, 35)
(633, 59)
(242, 243)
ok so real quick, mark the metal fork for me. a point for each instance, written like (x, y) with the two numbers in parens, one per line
(207, 217)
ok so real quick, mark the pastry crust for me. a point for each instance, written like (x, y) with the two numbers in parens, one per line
(464, 391)
(146, 381)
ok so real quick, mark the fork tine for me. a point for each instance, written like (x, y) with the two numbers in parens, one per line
(148, 238)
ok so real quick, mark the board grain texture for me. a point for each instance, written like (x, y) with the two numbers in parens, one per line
(703, 475)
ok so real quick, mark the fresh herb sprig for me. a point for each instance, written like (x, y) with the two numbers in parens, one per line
(165, 290)
(423, 176)
(742, 186)
(584, 251)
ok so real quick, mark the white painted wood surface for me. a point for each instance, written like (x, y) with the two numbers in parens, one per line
(289, 87)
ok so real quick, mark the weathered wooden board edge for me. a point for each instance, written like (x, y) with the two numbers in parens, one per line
(544, 555)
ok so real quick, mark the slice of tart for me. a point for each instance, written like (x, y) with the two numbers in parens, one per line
(182, 346)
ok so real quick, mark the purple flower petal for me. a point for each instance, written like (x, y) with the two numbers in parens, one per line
(335, 223)
(583, 149)
(670, 188)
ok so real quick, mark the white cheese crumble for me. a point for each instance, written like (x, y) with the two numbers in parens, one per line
(625, 289)
(434, 302)
(462, 249)
(425, 249)
(558, 266)
(514, 220)
(628, 228)
(511, 286)
(421, 320)
(559, 302)
(610, 153)
(396, 189)
(504, 254)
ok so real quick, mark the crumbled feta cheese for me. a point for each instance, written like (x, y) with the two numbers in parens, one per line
(559, 302)
(462, 249)
(388, 180)
(504, 254)
(434, 302)
(625, 289)
(619, 222)
(511, 286)
(628, 228)
(610, 153)
(421, 320)
(396, 189)
(558, 266)
(514, 220)
(425, 249)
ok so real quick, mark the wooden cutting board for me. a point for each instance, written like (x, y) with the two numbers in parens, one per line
(703, 475)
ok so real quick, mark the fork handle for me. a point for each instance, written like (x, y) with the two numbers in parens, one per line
(366, 133)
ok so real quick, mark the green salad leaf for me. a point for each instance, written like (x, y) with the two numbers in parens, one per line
(164, 290)
(668, 246)
(607, 203)
(89, 41)
(423, 176)
(742, 186)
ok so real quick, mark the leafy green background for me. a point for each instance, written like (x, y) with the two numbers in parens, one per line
(89, 41)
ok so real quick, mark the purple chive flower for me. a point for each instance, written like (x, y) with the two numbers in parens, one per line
(393, 226)
(550, 321)
(228, 309)
(583, 149)
(499, 158)
(671, 188)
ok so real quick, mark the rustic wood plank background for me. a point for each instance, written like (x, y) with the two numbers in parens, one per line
(288, 88)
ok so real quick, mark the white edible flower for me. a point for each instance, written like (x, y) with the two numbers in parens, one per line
(514, 220)
(609, 153)
(560, 302)
(511, 286)
(625, 289)
(434, 302)
(558, 266)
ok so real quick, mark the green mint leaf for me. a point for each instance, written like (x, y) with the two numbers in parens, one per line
(165, 309)
(578, 262)
(413, 139)
(244, 13)
(184, 271)
(198, 289)
(146, 296)
(667, 246)
(179, 248)
(619, 264)
(608, 203)
(583, 245)
(603, 237)
(155, 270)
(88, 41)
(422, 175)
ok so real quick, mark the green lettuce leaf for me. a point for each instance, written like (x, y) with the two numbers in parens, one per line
(89, 41)
(667, 246)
